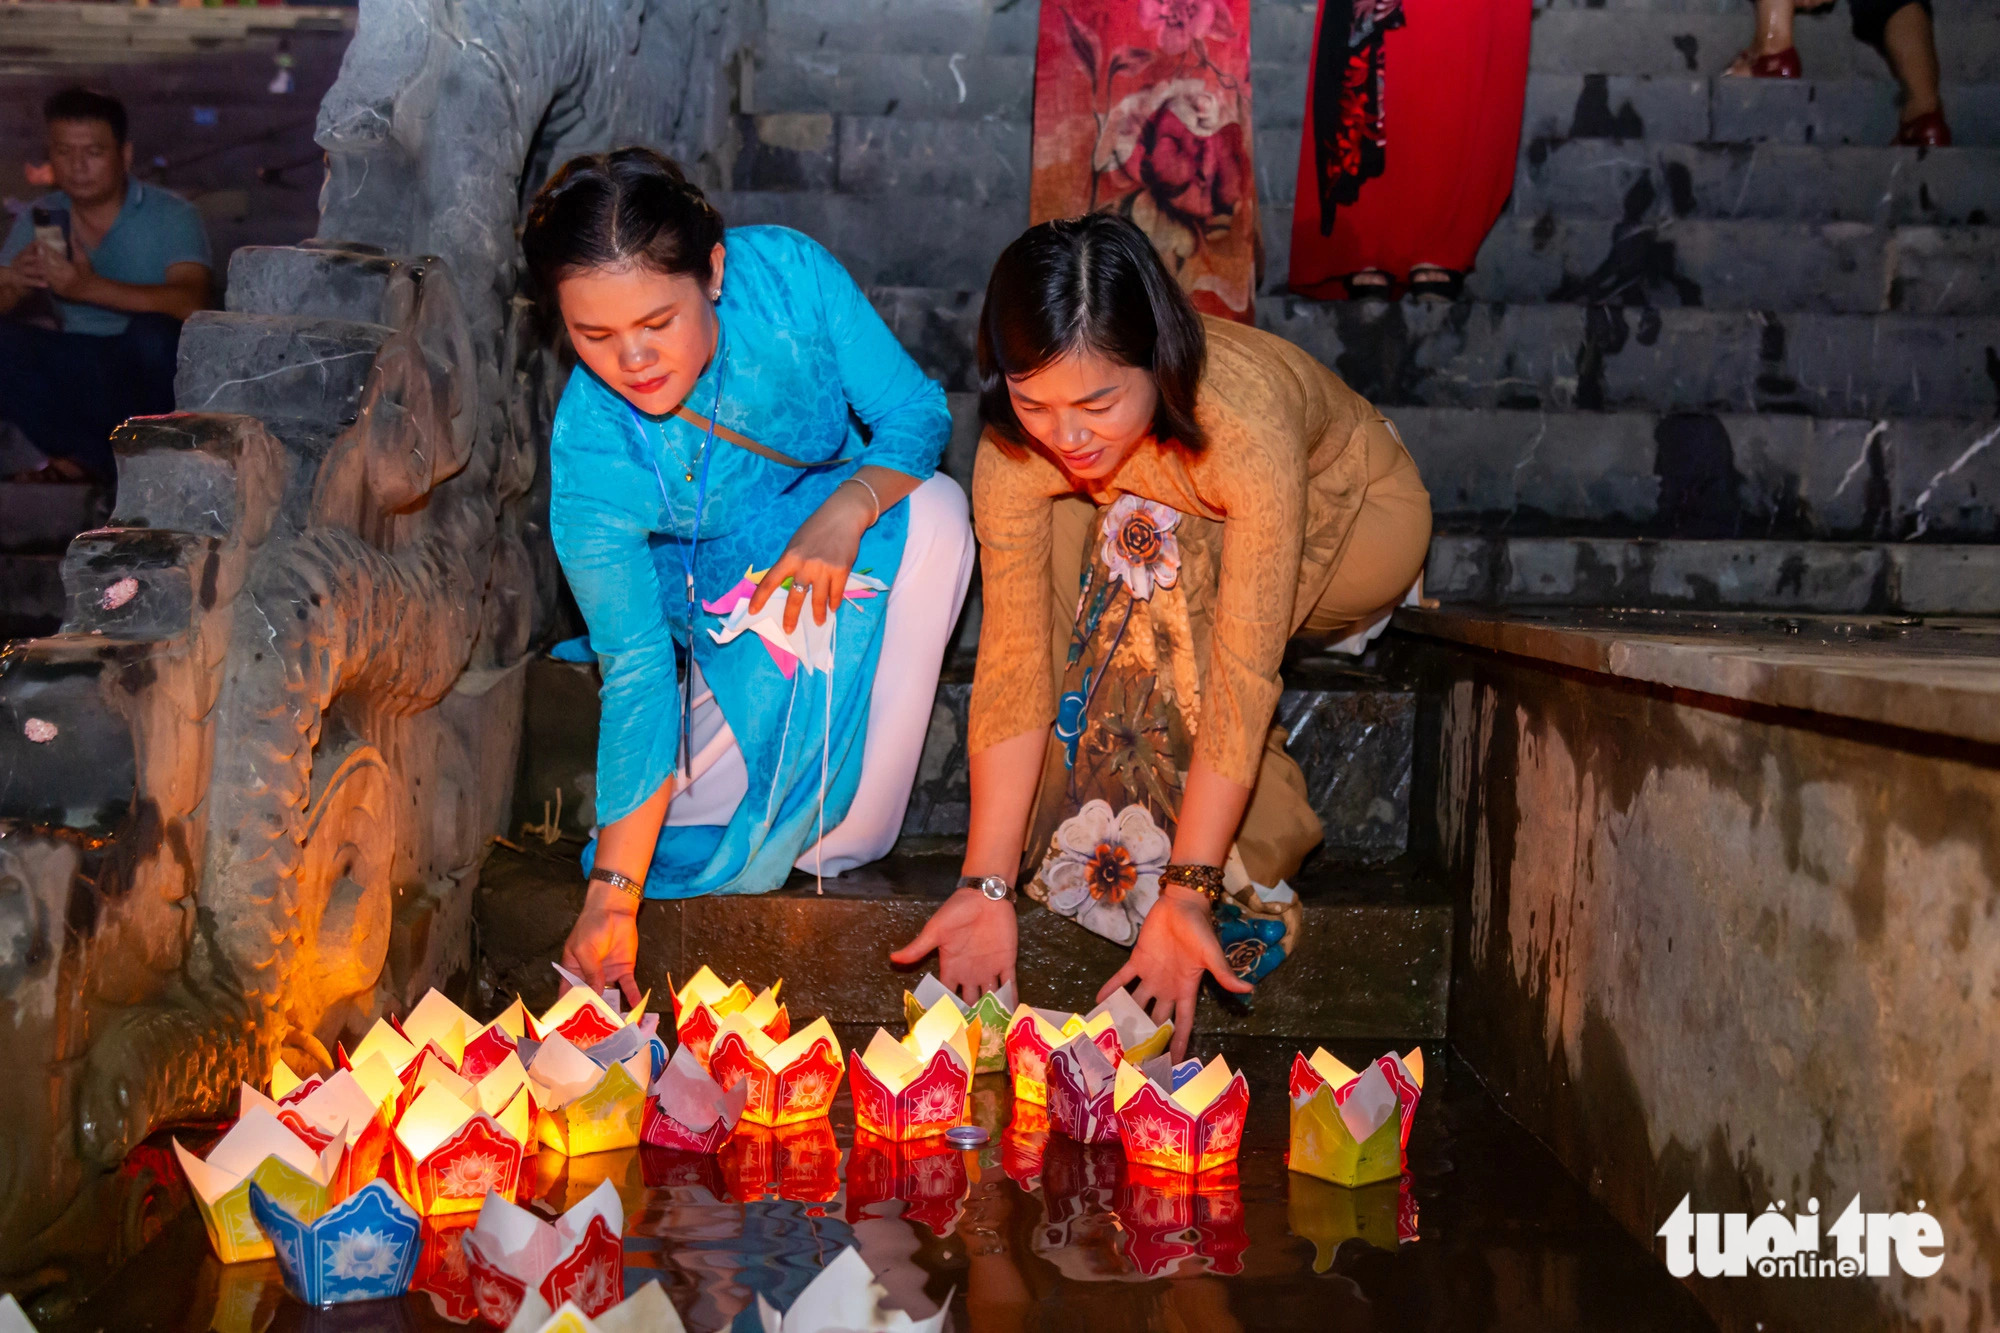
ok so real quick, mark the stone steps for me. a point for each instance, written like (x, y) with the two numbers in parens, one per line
(1373, 959)
(1772, 475)
(1632, 181)
(1596, 357)
(1812, 577)
(1756, 264)
(1596, 41)
(1579, 357)
(1350, 731)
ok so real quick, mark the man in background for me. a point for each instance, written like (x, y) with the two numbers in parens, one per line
(121, 265)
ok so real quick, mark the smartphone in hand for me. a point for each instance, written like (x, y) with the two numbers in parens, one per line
(52, 229)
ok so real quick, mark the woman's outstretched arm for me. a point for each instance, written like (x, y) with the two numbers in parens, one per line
(975, 937)
(603, 945)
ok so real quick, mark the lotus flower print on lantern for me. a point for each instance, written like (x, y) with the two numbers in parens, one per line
(687, 1110)
(448, 1153)
(524, 1268)
(790, 1080)
(362, 1249)
(1140, 548)
(702, 1004)
(1119, 1027)
(258, 1150)
(1103, 870)
(1352, 1128)
(918, 1086)
(1082, 1083)
(1181, 1120)
(993, 1011)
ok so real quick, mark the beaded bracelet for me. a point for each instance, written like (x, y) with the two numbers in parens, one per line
(1205, 880)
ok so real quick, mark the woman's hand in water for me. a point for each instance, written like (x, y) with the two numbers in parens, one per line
(1175, 946)
(603, 945)
(975, 938)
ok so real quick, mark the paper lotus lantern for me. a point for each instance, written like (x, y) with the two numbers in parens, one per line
(322, 1110)
(448, 1153)
(646, 1310)
(1351, 1128)
(702, 1004)
(588, 1106)
(994, 1011)
(790, 1080)
(1196, 1126)
(523, 1267)
(1082, 1080)
(920, 1085)
(362, 1249)
(472, 1048)
(799, 1162)
(687, 1110)
(257, 1150)
(583, 1018)
(846, 1296)
(1119, 1026)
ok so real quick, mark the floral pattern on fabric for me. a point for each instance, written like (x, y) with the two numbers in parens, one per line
(1144, 110)
(1124, 737)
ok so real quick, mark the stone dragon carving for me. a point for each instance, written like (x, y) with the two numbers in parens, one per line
(244, 794)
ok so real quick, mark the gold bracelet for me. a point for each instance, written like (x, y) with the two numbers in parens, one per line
(1205, 880)
(637, 888)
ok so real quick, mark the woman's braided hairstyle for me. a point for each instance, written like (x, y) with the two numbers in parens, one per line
(611, 210)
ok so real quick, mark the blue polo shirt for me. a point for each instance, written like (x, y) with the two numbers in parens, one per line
(153, 229)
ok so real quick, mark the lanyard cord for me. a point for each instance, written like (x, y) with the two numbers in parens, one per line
(689, 553)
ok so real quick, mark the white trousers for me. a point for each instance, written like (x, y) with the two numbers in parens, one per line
(924, 600)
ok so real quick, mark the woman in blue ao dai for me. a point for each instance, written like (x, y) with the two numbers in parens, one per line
(741, 549)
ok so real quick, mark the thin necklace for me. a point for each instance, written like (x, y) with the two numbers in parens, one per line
(689, 551)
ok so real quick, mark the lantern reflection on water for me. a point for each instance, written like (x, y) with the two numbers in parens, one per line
(928, 1176)
(799, 1162)
(1383, 1214)
(1181, 1223)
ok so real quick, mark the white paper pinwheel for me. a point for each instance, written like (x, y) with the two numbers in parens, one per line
(811, 643)
(846, 1298)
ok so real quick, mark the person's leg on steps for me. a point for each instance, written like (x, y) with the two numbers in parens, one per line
(1903, 34)
(1392, 535)
(923, 605)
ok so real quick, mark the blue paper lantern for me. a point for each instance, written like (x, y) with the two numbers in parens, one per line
(363, 1249)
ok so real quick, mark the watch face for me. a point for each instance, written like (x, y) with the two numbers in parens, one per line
(993, 887)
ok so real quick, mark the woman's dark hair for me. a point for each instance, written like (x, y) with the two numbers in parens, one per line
(605, 210)
(1090, 283)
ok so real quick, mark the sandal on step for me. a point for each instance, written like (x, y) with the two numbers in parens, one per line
(1436, 283)
(1370, 284)
(1783, 64)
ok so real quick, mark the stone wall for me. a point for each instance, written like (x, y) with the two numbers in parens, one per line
(1714, 946)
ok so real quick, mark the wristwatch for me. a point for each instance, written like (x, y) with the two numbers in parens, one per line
(995, 887)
